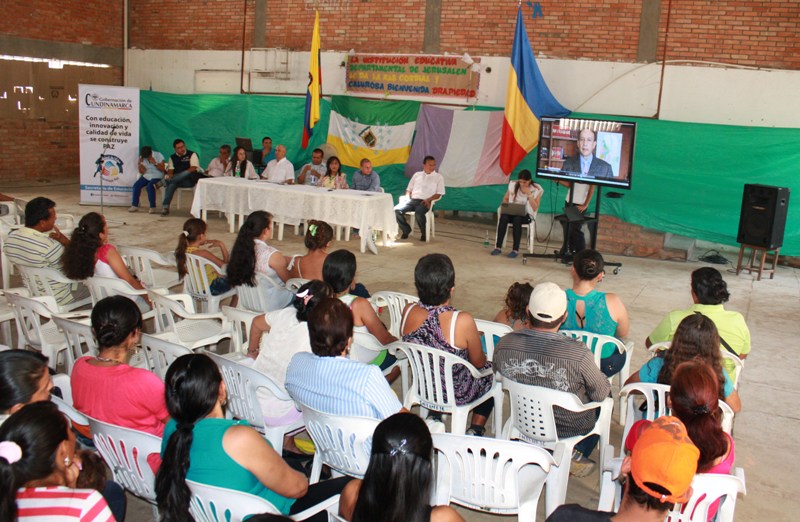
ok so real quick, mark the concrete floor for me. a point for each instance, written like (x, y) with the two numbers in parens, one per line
(765, 429)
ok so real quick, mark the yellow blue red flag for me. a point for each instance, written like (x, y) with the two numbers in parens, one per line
(314, 91)
(527, 99)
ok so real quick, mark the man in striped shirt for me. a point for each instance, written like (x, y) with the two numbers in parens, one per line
(540, 356)
(40, 244)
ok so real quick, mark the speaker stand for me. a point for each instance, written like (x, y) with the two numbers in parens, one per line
(751, 266)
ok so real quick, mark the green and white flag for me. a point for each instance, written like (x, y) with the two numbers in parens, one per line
(380, 131)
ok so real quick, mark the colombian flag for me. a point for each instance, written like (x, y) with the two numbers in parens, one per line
(314, 91)
(527, 100)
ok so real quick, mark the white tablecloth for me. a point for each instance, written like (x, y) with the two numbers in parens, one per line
(290, 203)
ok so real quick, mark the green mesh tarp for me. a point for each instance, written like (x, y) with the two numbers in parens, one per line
(687, 178)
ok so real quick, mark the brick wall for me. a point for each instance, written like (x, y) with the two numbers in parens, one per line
(94, 22)
(192, 25)
(618, 237)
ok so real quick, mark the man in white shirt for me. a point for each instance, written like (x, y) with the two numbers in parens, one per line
(312, 172)
(280, 170)
(221, 165)
(425, 187)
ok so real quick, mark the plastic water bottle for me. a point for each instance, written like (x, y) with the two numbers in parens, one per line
(486, 240)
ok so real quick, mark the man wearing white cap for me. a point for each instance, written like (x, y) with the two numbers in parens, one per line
(540, 356)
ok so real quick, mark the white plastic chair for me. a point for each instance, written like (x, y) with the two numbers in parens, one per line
(154, 270)
(595, 342)
(242, 384)
(39, 282)
(707, 488)
(266, 296)
(160, 353)
(631, 398)
(489, 330)
(7, 316)
(6, 265)
(175, 314)
(241, 320)
(197, 285)
(430, 223)
(394, 302)
(64, 403)
(126, 451)
(34, 325)
(428, 389)
(215, 504)
(532, 420)
(366, 347)
(495, 476)
(341, 443)
(295, 283)
(77, 334)
(530, 226)
(102, 287)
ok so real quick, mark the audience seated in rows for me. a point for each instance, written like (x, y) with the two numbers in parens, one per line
(339, 271)
(399, 479)
(694, 399)
(658, 474)
(433, 322)
(327, 380)
(318, 239)
(201, 445)
(709, 292)
(251, 253)
(89, 253)
(25, 379)
(515, 309)
(334, 178)
(695, 338)
(38, 462)
(540, 356)
(594, 311)
(191, 241)
(40, 244)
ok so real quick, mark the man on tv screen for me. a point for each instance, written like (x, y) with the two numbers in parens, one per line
(587, 164)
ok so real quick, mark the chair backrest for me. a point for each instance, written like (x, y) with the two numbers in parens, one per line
(432, 375)
(241, 320)
(166, 307)
(365, 347)
(395, 302)
(160, 353)
(64, 403)
(657, 347)
(706, 489)
(142, 262)
(196, 282)
(638, 395)
(102, 287)
(29, 312)
(266, 296)
(343, 443)
(729, 360)
(40, 282)
(497, 476)
(595, 342)
(489, 330)
(295, 283)
(215, 504)
(242, 383)
(78, 335)
(126, 451)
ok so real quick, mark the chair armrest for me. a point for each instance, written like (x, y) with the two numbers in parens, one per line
(313, 510)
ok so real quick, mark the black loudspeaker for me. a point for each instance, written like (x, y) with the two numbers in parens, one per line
(763, 218)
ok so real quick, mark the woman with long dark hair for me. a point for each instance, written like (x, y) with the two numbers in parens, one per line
(397, 484)
(191, 241)
(24, 378)
(594, 311)
(106, 387)
(242, 167)
(39, 466)
(695, 338)
(251, 253)
(89, 253)
(334, 178)
(201, 445)
(523, 192)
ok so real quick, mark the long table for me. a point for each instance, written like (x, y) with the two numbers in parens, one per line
(291, 203)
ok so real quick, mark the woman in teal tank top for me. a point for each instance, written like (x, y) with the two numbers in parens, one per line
(593, 311)
(201, 445)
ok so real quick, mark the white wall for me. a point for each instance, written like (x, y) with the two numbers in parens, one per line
(698, 93)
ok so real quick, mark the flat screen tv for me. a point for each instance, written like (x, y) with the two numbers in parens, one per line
(596, 152)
